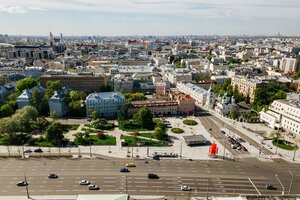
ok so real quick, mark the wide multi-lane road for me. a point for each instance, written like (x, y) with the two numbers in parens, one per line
(221, 178)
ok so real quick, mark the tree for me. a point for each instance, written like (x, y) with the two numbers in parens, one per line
(94, 115)
(51, 87)
(25, 117)
(276, 135)
(160, 134)
(234, 113)
(74, 99)
(55, 134)
(53, 115)
(6, 110)
(39, 101)
(144, 118)
(2, 80)
(121, 115)
(26, 83)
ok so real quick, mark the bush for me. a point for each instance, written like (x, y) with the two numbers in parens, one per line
(101, 135)
(190, 122)
(177, 130)
(284, 145)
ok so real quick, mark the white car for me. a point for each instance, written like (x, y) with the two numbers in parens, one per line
(84, 182)
(185, 188)
(93, 187)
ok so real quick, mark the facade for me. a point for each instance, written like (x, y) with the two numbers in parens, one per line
(6, 90)
(221, 104)
(160, 88)
(120, 82)
(34, 72)
(31, 52)
(175, 77)
(284, 114)
(25, 98)
(246, 86)
(290, 65)
(197, 93)
(157, 107)
(186, 104)
(106, 104)
(81, 82)
(57, 103)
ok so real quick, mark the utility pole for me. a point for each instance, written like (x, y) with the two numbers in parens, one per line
(132, 152)
(291, 183)
(224, 151)
(207, 189)
(26, 185)
(181, 150)
(90, 148)
(295, 152)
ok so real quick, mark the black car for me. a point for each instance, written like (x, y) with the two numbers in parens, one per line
(22, 183)
(152, 176)
(271, 187)
(52, 176)
(39, 150)
(124, 170)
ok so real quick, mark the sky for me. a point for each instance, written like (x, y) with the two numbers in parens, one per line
(149, 17)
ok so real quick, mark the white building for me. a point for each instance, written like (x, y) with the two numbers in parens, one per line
(57, 103)
(221, 104)
(284, 114)
(25, 98)
(106, 104)
(196, 92)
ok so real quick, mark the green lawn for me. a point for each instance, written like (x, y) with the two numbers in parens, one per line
(92, 130)
(283, 145)
(177, 130)
(109, 140)
(70, 127)
(132, 141)
(44, 144)
(147, 135)
(190, 122)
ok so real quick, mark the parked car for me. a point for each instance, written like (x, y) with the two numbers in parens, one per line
(244, 148)
(22, 183)
(152, 176)
(233, 146)
(52, 176)
(27, 151)
(84, 182)
(39, 150)
(93, 187)
(130, 165)
(185, 188)
(124, 169)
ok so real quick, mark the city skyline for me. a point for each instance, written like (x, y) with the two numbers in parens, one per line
(157, 18)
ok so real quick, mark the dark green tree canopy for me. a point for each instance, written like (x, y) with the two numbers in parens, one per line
(26, 83)
(144, 118)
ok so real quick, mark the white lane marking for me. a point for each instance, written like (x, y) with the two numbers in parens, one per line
(254, 186)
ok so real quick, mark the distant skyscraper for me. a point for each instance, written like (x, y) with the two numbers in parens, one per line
(61, 37)
(51, 39)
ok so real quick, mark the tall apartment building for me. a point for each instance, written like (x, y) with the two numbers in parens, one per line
(284, 114)
(246, 86)
(106, 104)
(290, 65)
(87, 82)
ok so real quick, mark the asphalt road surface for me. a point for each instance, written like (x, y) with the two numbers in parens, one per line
(206, 178)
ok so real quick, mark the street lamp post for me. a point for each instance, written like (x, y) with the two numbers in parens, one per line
(90, 147)
(295, 152)
(291, 183)
(276, 175)
(26, 185)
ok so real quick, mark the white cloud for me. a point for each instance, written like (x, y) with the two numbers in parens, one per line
(18, 9)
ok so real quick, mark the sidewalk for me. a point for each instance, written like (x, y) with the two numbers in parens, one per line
(242, 126)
